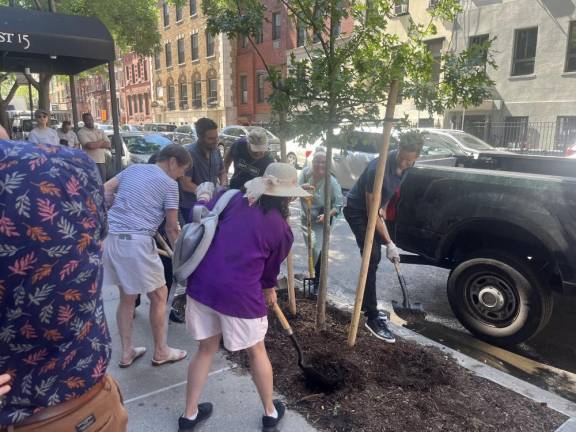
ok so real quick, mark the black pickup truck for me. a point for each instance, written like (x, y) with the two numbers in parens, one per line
(505, 225)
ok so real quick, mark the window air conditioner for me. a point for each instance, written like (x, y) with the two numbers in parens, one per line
(401, 9)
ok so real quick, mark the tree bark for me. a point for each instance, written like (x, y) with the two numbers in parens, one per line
(4, 120)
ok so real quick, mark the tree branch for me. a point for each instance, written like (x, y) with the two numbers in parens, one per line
(12, 92)
(52, 5)
(32, 81)
(38, 5)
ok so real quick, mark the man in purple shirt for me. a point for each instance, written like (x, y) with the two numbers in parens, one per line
(54, 341)
(230, 289)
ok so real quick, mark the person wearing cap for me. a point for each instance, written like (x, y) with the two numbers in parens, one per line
(312, 180)
(230, 290)
(94, 142)
(42, 133)
(250, 157)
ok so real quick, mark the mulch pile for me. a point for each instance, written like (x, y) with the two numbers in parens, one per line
(383, 387)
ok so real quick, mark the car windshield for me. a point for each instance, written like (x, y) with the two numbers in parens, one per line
(471, 141)
(146, 144)
(165, 128)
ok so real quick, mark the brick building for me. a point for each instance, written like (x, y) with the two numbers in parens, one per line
(136, 91)
(193, 72)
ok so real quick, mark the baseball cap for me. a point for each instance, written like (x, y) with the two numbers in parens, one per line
(257, 139)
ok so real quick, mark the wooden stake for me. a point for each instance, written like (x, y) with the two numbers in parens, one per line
(373, 216)
(290, 281)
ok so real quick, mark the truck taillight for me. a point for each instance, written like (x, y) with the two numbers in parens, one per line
(308, 153)
(570, 151)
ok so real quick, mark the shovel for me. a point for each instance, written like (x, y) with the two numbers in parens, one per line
(312, 376)
(309, 282)
(407, 310)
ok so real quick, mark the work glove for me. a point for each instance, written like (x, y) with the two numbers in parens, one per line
(204, 191)
(392, 252)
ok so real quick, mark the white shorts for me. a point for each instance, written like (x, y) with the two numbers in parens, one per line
(238, 333)
(131, 261)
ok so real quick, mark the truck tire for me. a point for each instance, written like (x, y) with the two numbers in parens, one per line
(499, 298)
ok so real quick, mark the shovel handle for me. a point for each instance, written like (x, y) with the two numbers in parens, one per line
(282, 319)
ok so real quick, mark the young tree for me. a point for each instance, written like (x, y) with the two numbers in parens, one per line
(344, 79)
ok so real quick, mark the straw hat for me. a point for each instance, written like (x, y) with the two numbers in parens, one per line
(279, 179)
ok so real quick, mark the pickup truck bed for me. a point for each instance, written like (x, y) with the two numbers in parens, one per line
(506, 227)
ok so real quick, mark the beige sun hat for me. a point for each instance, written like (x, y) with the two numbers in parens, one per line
(279, 179)
(257, 139)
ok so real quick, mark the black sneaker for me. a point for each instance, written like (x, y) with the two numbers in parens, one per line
(204, 411)
(379, 328)
(269, 423)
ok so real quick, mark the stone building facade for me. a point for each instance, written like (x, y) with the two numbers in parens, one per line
(136, 89)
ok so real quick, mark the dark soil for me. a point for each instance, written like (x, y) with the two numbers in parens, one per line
(402, 387)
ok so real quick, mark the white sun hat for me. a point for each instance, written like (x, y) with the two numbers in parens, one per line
(279, 179)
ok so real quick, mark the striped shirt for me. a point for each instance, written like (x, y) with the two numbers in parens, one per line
(144, 193)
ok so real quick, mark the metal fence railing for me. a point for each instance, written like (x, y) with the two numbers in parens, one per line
(547, 138)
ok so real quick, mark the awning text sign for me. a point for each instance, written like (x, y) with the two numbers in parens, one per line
(14, 40)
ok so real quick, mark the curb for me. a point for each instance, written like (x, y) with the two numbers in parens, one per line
(530, 391)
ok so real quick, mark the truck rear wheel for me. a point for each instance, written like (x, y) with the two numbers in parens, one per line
(499, 298)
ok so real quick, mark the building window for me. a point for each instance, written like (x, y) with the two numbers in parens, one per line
(259, 36)
(193, 10)
(171, 97)
(166, 13)
(183, 90)
(209, 45)
(159, 91)
(243, 89)
(130, 112)
(168, 52)
(181, 54)
(401, 7)
(194, 43)
(435, 47)
(515, 132)
(276, 29)
(525, 41)
(565, 132)
(481, 42)
(145, 68)
(197, 93)
(260, 80)
(212, 91)
(571, 54)
(127, 74)
(133, 74)
(140, 103)
(147, 103)
(178, 13)
(157, 65)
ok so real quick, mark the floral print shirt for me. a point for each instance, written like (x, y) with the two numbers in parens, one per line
(54, 341)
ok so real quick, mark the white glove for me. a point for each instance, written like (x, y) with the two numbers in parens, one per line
(392, 252)
(204, 191)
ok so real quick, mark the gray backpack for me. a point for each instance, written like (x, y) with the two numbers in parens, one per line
(196, 237)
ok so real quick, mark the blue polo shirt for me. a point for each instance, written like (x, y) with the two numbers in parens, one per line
(392, 181)
(204, 169)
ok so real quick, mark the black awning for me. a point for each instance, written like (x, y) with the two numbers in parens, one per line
(50, 42)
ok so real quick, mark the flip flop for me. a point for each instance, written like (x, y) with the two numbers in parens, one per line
(177, 355)
(138, 352)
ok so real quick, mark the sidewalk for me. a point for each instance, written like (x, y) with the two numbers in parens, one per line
(155, 396)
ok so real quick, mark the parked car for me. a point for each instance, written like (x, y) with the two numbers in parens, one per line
(143, 145)
(189, 130)
(178, 138)
(503, 224)
(111, 155)
(131, 128)
(106, 127)
(159, 127)
(354, 149)
(298, 154)
(231, 133)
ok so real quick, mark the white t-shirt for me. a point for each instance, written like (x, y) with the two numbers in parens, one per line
(69, 136)
(144, 194)
(44, 136)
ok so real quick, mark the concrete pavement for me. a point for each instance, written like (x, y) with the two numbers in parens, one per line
(155, 396)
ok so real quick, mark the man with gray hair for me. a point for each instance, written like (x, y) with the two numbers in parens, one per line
(250, 157)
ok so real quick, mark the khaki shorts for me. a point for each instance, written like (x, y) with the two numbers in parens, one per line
(238, 333)
(131, 261)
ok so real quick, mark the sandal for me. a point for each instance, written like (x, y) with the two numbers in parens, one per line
(176, 356)
(137, 353)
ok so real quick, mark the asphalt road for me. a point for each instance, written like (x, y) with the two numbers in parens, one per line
(547, 360)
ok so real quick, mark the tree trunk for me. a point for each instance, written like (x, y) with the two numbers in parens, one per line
(4, 120)
(44, 91)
